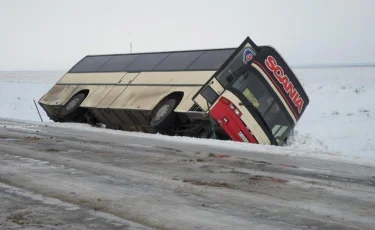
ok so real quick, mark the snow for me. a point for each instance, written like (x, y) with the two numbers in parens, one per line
(18, 89)
(341, 114)
(306, 149)
(38, 197)
(338, 123)
(114, 220)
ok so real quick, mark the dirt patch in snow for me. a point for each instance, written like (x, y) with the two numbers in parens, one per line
(52, 150)
(267, 178)
(207, 183)
(32, 139)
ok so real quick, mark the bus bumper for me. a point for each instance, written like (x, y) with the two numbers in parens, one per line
(229, 118)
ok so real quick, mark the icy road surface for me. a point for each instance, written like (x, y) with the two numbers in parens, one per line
(63, 178)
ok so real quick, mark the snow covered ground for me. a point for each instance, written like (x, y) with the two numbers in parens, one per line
(63, 178)
(66, 176)
(341, 114)
(339, 120)
(18, 89)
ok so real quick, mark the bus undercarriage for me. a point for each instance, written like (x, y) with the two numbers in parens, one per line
(192, 124)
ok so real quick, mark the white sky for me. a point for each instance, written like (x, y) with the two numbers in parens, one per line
(54, 35)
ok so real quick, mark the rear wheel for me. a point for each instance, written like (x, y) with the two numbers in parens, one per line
(71, 110)
(164, 116)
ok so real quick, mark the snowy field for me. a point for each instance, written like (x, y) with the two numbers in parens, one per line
(338, 122)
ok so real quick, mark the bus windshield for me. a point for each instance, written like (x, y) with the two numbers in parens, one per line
(248, 83)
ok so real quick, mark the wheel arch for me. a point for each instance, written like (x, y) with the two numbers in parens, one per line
(84, 91)
(178, 95)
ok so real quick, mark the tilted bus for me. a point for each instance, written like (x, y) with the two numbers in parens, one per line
(246, 94)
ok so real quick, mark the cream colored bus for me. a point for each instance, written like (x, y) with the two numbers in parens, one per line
(246, 94)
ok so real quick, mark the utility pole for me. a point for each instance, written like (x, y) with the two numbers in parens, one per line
(131, 46)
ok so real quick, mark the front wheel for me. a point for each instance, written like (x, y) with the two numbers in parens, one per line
(164, 115)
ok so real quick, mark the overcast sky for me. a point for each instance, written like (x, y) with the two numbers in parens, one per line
(54, 35)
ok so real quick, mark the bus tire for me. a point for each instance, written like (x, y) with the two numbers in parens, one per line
(164, 115)
(72, 105)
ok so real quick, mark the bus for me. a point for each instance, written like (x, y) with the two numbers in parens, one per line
(246, 93)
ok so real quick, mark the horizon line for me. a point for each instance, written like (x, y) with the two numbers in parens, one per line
(343, 65)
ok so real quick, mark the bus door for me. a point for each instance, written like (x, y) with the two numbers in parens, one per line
(241, 58)
(212, 98)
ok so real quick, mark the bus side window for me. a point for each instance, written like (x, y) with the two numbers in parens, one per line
(225, 77)
(279, 130)
(209, 94)
(230, 79)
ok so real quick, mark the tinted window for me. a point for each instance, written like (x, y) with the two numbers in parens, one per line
(178, 61)
(252, 88)
(234, 68)
(90, 64)
(210, 95)
(146, 62)
(211, 60)
(118, 63)
(259, 96)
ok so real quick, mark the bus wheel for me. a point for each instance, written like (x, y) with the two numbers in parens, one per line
(164, 115)
(205, 134)
(72, 106)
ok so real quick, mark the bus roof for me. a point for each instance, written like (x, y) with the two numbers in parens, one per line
(189, 60)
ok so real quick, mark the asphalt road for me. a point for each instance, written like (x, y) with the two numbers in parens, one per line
(62, 178)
